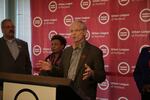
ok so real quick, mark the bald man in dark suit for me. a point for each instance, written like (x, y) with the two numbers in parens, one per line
(82, 62)
(14, 55)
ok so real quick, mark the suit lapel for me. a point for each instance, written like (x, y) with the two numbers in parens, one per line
(6, 49)
(19, 47)
(148, 54)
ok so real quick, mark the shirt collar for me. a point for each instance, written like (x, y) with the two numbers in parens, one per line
(10, 41)
(79, 46)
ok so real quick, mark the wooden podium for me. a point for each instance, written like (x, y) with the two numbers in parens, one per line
(60, 88)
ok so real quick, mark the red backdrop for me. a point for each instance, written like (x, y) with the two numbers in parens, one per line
(120, 28)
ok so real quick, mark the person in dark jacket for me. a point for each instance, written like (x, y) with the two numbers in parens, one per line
(82, 63)
(58, 44)
(14, 54)
(142, 73)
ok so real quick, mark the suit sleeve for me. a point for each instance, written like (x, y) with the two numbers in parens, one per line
(28, 66)
(142, 71)
(99, 71)
(56, 72)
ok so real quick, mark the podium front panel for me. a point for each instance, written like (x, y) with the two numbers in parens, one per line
(17, 91)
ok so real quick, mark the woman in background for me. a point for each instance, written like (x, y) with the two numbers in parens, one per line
(58, 43)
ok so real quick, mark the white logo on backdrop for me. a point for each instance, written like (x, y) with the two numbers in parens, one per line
(52, 6)
(123, 68)
(122, 98)
(145, 15)
(123, 2)
(85, 4)
(36, 50)
(104, 85)
(103, 18)
(68, 19)
(123, 33)
(37, 21)
(105, 50)
(51, 34)
(88, 35)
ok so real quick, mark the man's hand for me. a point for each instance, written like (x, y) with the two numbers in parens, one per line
(88, 72)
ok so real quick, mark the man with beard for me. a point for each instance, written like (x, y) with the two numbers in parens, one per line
(14, 54)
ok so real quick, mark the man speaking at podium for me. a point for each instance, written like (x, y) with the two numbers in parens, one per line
(14, 55)
(82, 62)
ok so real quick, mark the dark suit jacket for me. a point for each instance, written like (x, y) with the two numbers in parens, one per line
(93, 57)
(142, 70)
(55, 72)
(21, 65)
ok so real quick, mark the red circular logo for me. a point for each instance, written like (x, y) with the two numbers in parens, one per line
(85, 4)
(145, 15)
(123, 2)
(123, 68)
(37, 21)
(104, 85)
(36, 50)
(52, 6)
(68, 19)
(105, 50)
(103, 18)
(123, 33)
(51, 34)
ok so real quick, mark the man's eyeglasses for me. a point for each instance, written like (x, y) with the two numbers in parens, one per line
(76, 30)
